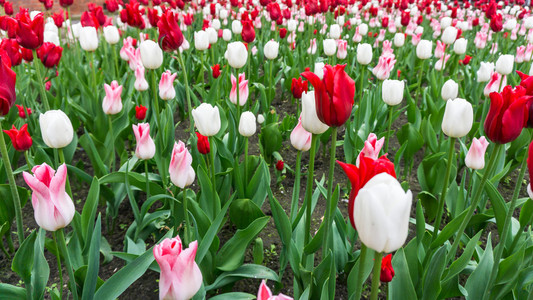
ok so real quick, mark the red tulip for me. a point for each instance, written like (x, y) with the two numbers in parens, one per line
(507, 115)
(58, 19)
(359, 176)
(465, 61)
(50, 54)
(216, 71)
(22, 111)
(282, 32)
(280, 165)
(8, 8)
(111, 5)
(203, 144)
(298, 86)
(9, 25)
(140, 112)
(89, 19)
(153, 16)
(7, 84)
(527, 82)
(20, 139)
(66, 3)
(387, 272)
(248, 32)
(334, 94)
(132, 15)
(30, 32)
(170, 35)
(406, 17)
(274, 10)
(496, 23)
(48, 4)
(27, 54)
(12, 48)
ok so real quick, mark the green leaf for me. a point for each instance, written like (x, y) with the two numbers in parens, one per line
(449, 230)
(23, 260)
(11, 292)
(89, 211)
(498, 204)
(430, 204)
(234, 296)
(526, 212)
(457, 266)
(41, 270)
(508, 268)
(401, 287)
(244, 271)
(211, 233)
(477, 281)
(433, 274)
(89, 286)
(281, 220)
(243, 212)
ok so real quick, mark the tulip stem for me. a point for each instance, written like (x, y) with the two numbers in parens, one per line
(296, 188)
(62, 160)
(419, 81)
(309, 189)
(245, 163)
(114, 50)
(12, 186)
(360, 95)
(112, 158)
(186, 215)
(28, 164)
(387, 136)
(330, 205)
(375, 276)
(44, 99)
(475, 201)
(442, 200)
(212, 164)
(59, 269)
(505, 230)
(63, 248)
(361, 272)
(147, 179)
(187, 94)
(270, 87)
(155, 110)
(93, 71)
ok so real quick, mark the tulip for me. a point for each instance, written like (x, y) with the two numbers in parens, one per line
(111, 35)
(280, 165)
(381, 213)
(145, 145)
(371, 148)
(226, 35)
(449, 90)
(30, 31)
(203, 144)
(399, 39)
(475, 158)
(56, 129)
(140, 112)
(335, 31)
(334, 95)
(392, 91)
(236, 54)
(88, 39)
(342, 51)
(201, 40)
(166, 85)
(292, 25)
(170, 35)
(7, 84)
(507, 114)
(310, 120)
(319, 70)
(22, 111)
(260, 119)
(495, 83)
(330, 47)
(53, 208)
(243, 90)
(459, 47)
(504, 64)
(423, 49)
(181, 172)
(387, 272)
(236, 27)
(271, 49)
(247, 32)
(384, 67)
(364, 54)
(264, 293)
(207, 119)
(301, 138)
(458, 118)
(247, 125)
(20, 139)
(212, 34)
(180, 276)
(140, 81)
(449, 35)
(112, 103)
(363, 28)
(50, 37)
(312, 47)
(484, 72)
(441, 63)
(298, 86)
(151, 55)
(216, 71)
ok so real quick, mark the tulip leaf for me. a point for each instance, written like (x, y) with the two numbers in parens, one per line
(11, 292)
(477, 281)
(89, 211)
(234, 296)
(430, 203)
(243, 212)
(526, 213)
(498, 204)
(507, 270)
(23, 260)
(431, 281)
(7, 210)
(91, 279)
(211, 233)
(449, 230)
(401, 287)
(41, 270)
(244, 271)
(457, 266)
(281, 220)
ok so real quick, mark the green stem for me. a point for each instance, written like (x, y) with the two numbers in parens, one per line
(375, 276)
(186, 214)
(387, 136)
(187, 94)
(62, 160)
(296, 188)
(419, 82)
(442, 200)
(12, 186)
(361, 95)
(58, 258)
(28, 164)
(63, 248)
(147, 179)
(270, 87)
(112, 158)
(245, 162)
(519, 234)
(309, 188)
(155, 110)
(361, 272)
(114, 50)
(42, 90)
(330, 208)
(212, 164)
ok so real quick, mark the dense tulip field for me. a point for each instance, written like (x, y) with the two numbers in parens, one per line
(269, 149)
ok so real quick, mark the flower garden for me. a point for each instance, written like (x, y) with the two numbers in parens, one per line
(267, 149)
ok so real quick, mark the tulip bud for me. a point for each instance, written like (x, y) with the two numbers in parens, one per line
(484, 72)
(20, 139)
(140, 83)
(392, 91)
(166, 85)
(112, 103)
(475, 158)
(387, 272)
(88, 38)
(151, 54)
(260, 119)
(335, 31)
(264, 293)
(309, 116)
(226, 35)
(203, 144)
(145, 145)
(292, 25)
(140, 112)
(342, 50)
(111, 35)
(181, 172)
(458, 118)
(363, 28)
(399, 39)
(449, 35)
(301, 138)
(504, 64)
(56, 129)
(201, 40)
(423, 49)
(364, 53)
(330, 47)
(207, 119)
(236, 27)
(247, 125)
(271, 49)
(459, 47)
(236, 54)
(449, 90)
(51, 37)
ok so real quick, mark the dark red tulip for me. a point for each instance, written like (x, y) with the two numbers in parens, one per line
(7, 84)
(274, 10)
(491, 9)
(282, 32)
(387, 272)
(9, 25)
(280, 165)
(153, 16)
(58, 19)
(8, 8)
(12, 48)
(27, 54)
(50, 55)
(248, 32)
(140, 112)
(20, 139)
(406, 17)
(89, 19)
(496, 23)
(66, 3)
(216, 71)
(530, 164)
(30, 32)
(385, 22)
(187, 19)
(527, 82)
(111, 5)
(170, 35)
(298, 86)
(203, 144)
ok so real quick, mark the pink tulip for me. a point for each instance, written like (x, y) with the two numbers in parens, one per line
(112, 103)
(341, 49)
(415, 39)
(494, 83)
(312, 47)
(301, 138)
(53, 208)
(181, 172)
(243, 89)
(529, 52)
(134, 57)
(520, 54)
(441, 63)
(145, 145)
(439, 50)
(180, 277)
(384, 67)
(371, 149)
(140, 82)
(357, 37)
(166, 85)
(481, 40)
(127, 44)
(387, 49)
(494, 48)
(475, 158)
(265, 293)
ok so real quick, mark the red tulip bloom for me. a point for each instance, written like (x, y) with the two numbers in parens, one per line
(153, 16)
(12, 48)
(7, 84)
(111, 5)
(274, 10)
(20, 139)
(282, 32)
(8, 8)
(27, 54)
(9, 25)
(30, 32)
(496, 23)
(359, 176)
(491, 9)
(216, 71)
(89, 19)
(387, 272)
(248, 32)
(50, 54)
(334, 95)
(298, 86)
(203, 144)
(58, 18)
(507, 115)
(280, 165)
(66, 3)
(406, 17)
(140, 112)
(22, 111)
(465, 61)
(170, 35)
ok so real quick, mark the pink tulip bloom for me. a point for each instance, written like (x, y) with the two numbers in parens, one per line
(180, 277)
(134, 56)
(528, 53)
(520, 54)
(341, 49)
(494, 83)
(475, 158)
(439, 50)
(112, 103)
(441, 63)
(357, 37)
(265, 293)
(312, 47)
(127, 46)
(485, 27)
(301, 138)
(52, 206)
(381, 35)
(494, 48)
(481, 40)
(140, 82)
(145, 145)
(301, 27)
(415, 39)
(181, 172)
(166, 85)
(243, 89)
(371, 149)
(384, 67)
(387, 49)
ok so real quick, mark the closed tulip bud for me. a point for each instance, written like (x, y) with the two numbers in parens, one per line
(20, 139)
(301, 138)
(475, 158)
(166, 85)
(342, 50)
(319, 69)
(364, 53)
(381, 213)
(449, 90)
(226, 35)
(504, 64)
(145, 145)
(484, 72)
(111, 35)
(201, 40)
(181, 172)
(458, 118)
(140, 112)
(449, 35)
(236, 55)
(271, 49)
(243, 89)
(140, 81)
(260, 119)
(247, 126)
(236, 27)
(56, 129)
(387, 272)
(50, 37)
(88, 38)
(423, 49)
(335, 31)
(309, 116)
(392, 91)
(112, 103)
(151, 54)
(363, 28)
(212, 34)
(203, 144)
(330, 47)
(459, 47)
(207, 119)
(371, 148)
(399, 39)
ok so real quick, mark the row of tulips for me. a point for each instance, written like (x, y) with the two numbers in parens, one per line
(122, 84)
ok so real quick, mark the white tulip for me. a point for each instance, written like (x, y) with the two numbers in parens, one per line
(392, 91)
(151, 54)
(310, 119)
(88, 38)
(111, 35)
(56, 129)
(207, 119)
(236, 54)
(458, 118)
(504, 64)
(449, 90)
(247, 126)
(271, 49)
(364, 53)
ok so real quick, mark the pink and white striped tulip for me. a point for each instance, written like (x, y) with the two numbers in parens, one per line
(243, 89)
(145, 145)
(140, 82)
(166, 85)
(265, 293)
(371, 149)
(475, 158)
(112, 103)
(181, 172)
(301, 138)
